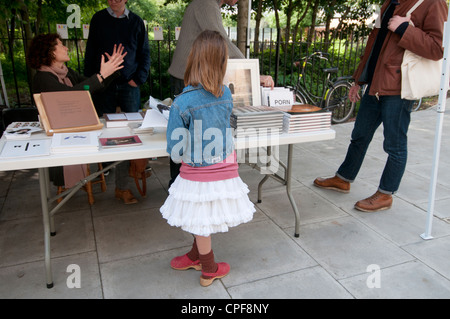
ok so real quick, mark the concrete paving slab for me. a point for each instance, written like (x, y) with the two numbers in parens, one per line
(435, 253)
(345, 247)
(136, 233)
(258, 250)
(410, 280)
(310, 283)
(27, 280)
(151, 276)
(311, 206)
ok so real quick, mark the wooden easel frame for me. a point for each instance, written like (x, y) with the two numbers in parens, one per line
(44, 118)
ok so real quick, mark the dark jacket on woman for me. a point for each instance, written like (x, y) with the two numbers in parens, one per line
(48, 82)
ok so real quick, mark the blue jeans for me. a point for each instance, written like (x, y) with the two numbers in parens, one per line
(127, 97)
(395, 114)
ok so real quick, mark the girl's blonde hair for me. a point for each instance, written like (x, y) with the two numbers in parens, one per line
(207, 62)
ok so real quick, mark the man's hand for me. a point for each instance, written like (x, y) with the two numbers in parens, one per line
(132, 83)
(395, 21)
(353, 94)
(266, 81)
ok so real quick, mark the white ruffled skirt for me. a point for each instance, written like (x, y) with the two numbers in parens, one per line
(205, 208)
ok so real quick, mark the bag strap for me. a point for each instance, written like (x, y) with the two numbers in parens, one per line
(142, 190)
(414, 7)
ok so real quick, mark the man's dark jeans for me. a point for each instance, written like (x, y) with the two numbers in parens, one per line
(395, 114)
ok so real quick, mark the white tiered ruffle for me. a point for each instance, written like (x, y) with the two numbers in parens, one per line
(205, 208)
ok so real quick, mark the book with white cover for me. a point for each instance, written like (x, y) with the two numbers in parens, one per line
(122, 119)
(75, 142)
(25, 148)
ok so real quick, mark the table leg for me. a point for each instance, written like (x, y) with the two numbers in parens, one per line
(260, 187)
(266, 177)
(46, 219)
(288, 190)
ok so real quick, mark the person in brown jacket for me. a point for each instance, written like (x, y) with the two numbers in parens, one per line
(380, 69)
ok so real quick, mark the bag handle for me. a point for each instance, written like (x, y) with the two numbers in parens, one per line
(414, 7)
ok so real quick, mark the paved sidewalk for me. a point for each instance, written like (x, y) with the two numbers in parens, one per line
(124, 251)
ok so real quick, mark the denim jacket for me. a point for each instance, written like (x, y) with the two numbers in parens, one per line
(199, 132)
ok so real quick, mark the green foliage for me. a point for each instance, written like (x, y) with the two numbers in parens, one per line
(168, 14)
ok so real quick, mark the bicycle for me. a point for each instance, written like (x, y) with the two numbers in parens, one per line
(334, 95)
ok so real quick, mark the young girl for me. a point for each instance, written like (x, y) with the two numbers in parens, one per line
(208, 196)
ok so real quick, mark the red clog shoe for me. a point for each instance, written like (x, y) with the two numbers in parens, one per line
(207, 279)
(183, 263)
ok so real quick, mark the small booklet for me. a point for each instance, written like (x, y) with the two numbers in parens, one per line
(119, 141)
(22, 130)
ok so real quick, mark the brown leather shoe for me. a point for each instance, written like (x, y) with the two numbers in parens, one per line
(334, 183)
(126, 196)
(376, 202)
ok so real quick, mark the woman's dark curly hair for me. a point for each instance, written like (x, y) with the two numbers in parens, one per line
(41, 50)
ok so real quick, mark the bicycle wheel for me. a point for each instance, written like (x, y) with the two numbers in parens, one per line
(338, 103)
(417, 105)
(300, 98)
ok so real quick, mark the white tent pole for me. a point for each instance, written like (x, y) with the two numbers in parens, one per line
(437, 141)
(2, 82)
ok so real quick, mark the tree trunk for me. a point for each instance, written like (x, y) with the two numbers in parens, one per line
(277, 16)
(300, 19)
(329, 17)
(27, 32)
(258, 24)
(242, 25)
(312, 29)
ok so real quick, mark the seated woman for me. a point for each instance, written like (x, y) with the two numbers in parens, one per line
(48, 56)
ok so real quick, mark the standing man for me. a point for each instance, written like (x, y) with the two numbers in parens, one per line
(380, 68)
(113, 26)
(200, 15)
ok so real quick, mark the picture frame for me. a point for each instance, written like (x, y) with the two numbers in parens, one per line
(242, 77)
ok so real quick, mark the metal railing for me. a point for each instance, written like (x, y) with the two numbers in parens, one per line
(276, 58)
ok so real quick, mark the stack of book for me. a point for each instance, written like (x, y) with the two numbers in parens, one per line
(63, 143)
(305, 118)
(139, 128)
(123, 119)
(255, 120)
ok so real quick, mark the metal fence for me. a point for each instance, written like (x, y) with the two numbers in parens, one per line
(275, 58)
